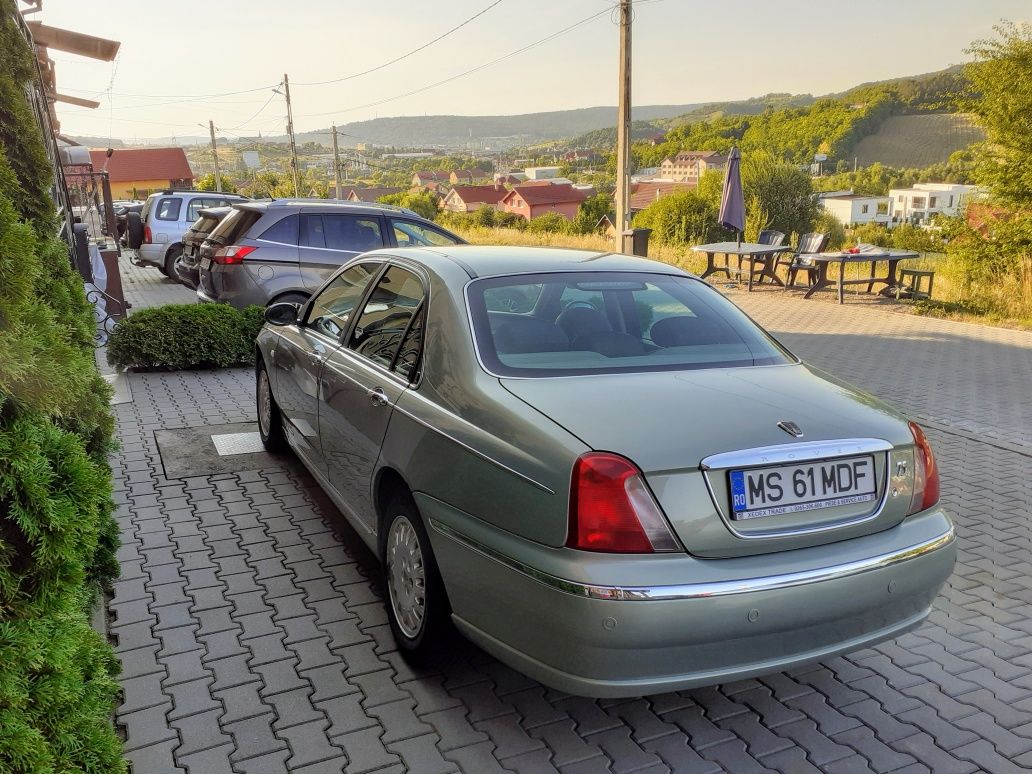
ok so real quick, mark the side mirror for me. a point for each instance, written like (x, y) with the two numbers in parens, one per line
(283, 313)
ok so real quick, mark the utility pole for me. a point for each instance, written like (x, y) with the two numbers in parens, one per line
(623, 126)
(215, 156)
(290, 134)
(336, 164)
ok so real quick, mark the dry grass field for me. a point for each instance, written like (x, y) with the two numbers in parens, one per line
(918, 140)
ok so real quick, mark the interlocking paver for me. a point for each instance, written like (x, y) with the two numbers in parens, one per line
(250, 624)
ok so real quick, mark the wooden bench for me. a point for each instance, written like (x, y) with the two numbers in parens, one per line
(912, 280)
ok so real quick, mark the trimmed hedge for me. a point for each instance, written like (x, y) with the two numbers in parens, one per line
(180, 336)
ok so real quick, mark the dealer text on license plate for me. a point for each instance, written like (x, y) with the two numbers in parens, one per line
(808, 486)
(205, 263)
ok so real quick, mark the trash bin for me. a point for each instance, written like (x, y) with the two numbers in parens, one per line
(636, 241)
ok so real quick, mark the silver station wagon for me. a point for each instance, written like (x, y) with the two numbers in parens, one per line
(599, 469)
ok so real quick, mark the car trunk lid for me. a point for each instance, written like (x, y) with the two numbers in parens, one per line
(688, 430)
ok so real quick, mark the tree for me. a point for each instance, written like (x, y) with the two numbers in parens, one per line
(1001, 78)
(423, 203)
(683, 218)
(207, 183)
(590, 212)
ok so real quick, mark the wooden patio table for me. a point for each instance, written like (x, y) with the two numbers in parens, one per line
(822, 261)
(746, 251)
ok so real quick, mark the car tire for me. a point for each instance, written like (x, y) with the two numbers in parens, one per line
(171, 256)
(270, 421)
(416, 601)
(133, 230)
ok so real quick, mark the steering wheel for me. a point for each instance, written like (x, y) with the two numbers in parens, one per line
(580, 305)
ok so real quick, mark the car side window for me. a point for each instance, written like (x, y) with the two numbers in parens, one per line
(351, 233)
(283, 231)
(195, 205)
(168, 209)
(408, 233)
(406, 364)
(330, 311)
(384, 321)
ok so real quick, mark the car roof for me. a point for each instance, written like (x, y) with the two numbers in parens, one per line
(329, 204)
(492, 261)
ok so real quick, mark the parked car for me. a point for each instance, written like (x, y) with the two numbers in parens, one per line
(188, 264)
(283, 250)
(599, 469)
(158, 235)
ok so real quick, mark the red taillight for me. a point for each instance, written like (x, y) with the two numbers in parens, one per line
(926, 473)
(232, 254)
(147, 239)
(612, 510)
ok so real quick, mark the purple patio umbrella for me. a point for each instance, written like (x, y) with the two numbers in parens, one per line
(732, 200)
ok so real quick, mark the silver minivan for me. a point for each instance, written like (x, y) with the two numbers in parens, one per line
(284, 250)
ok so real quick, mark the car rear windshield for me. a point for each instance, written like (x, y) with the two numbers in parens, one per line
(572, 324)
(234, 226)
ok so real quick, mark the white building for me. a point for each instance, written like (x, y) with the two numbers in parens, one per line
(920, 203)
(853, 209)
(541, 173)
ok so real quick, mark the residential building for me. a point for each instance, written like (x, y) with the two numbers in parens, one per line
(531, 201)
(368, 194)
(656, 139)
(689, 166)
(423, 178)
(550, 181)
(509, 178)
(467, 198)
(466, 176)
(541, 173)
(644, 193)
(135, 173)
(924, 200)
(580, 155)
(855, 209)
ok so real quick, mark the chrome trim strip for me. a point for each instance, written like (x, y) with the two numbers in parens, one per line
(791, 452)
(709, 589)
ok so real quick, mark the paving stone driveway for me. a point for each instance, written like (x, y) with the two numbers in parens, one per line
(250, 626)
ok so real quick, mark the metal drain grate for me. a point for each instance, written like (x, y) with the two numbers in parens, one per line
(228, 444)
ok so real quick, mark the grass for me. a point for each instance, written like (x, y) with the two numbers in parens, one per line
(1007, 305)
(918, 140)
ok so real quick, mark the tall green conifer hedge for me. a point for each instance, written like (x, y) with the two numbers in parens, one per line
(57, 533)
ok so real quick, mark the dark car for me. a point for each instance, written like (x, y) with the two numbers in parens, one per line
(187, 266)
(284, 250)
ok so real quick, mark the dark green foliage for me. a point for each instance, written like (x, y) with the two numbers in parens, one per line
(179, 336)
(683, 218)
(57, 535)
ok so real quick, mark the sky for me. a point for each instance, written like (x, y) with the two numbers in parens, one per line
(177, 67)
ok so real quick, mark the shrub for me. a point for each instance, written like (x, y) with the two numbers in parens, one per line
(682, 218)
(178, 336)
(549, 223)
(832, 226)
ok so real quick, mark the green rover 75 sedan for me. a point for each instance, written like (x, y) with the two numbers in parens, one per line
(599, 469)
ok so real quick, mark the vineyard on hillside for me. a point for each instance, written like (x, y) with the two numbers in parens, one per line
(918, 140)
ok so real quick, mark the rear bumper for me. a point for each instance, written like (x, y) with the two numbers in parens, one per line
(595, 639)
(153, 254)
(188, 275)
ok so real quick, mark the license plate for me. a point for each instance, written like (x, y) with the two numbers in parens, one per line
(807, 486)
(205, 263)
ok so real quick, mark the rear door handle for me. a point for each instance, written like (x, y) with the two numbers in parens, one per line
(378, 397)
(316, 358)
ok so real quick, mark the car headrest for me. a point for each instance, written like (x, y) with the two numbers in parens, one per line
(683, 331)
(580, 320)
(529, 335)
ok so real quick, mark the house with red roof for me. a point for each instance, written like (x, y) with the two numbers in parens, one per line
(467, 198)
(530, 201)
(646, 192)
(424, 178)
(135, 173)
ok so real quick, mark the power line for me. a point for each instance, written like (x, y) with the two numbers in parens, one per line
(472, 70)
(258, 112)
(403, 56)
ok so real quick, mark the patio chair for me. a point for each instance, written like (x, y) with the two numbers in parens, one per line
(802, 260)
(766, 264)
